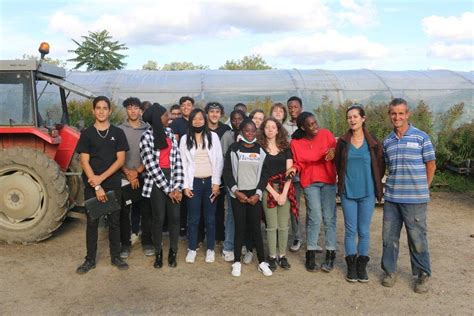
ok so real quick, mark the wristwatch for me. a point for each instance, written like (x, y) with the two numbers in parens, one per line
(97, 187)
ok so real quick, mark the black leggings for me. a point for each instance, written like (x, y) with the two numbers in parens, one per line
(247, 216)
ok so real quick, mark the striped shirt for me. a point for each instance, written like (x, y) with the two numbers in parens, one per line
(406, 158)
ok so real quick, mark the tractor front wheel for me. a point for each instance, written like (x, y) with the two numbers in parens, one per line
(33, 195)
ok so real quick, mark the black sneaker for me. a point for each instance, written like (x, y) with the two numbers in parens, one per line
(272, 264)
(125, 252)
(119, 263)
(284, 264)
(86, 267)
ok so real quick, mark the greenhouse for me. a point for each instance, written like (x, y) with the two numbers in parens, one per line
(440, 89)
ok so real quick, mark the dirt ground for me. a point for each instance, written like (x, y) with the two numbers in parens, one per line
(40, 279)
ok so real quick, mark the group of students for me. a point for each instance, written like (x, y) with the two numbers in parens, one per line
(187, 165)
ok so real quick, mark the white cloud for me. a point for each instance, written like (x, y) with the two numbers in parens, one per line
(451, 51)
(451, 37)
(451, 29)
(360, 15)
(322, 47)
(162, 22)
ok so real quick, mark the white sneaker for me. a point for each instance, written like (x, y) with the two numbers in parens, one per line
(236, 267)
(228, 255)
(248, 257)
(191, 256)
(134, 238)
(295, 246)
(265, 269)
(210, 256)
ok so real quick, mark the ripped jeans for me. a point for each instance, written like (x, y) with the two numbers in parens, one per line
(414, 218)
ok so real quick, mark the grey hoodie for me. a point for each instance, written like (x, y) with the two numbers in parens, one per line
(132, 157)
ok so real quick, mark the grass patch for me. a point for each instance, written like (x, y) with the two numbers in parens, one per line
(445, 181)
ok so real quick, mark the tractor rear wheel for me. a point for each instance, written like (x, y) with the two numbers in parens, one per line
(33, 195)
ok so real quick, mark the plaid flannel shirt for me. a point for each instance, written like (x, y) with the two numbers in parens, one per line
(151, 157)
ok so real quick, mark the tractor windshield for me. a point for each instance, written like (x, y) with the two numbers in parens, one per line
(16, 98)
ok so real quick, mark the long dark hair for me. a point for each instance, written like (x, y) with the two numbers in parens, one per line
(300, 132)
(191, 137)
(281, 138)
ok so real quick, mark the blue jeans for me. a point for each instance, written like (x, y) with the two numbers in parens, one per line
(229, 225)
(202, 189)
(414, 217)
(357, 219)
(320, 203)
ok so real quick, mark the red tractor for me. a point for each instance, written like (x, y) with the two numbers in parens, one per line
(39, 173)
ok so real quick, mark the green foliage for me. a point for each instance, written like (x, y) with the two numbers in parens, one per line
(264, 105)
(151, 65)
(252, 62)
(422, 118)
(48, 60)
(377, 120)
(98, 52)
(177, 66)
(448, 141)
(332, 117)
(80, 113)
(447, 181)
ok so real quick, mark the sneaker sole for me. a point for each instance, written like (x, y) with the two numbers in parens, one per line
(84, 272)
(351, 280)
(267, 275)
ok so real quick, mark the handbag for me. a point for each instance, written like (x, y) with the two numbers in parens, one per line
(96, 209)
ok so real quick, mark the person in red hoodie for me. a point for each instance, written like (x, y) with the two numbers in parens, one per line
(313, 151)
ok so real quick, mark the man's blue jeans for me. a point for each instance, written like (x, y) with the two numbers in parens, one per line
(357, 219)
(414, 218)
(229, 225)
(320, 204)
(202, 189)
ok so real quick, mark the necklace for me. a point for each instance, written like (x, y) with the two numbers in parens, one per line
(106, 133)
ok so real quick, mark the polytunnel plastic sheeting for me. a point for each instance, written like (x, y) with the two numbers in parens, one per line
(438, 88)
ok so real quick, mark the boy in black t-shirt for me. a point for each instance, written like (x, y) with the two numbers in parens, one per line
(102, 150)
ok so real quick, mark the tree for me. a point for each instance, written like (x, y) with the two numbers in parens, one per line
(99, 52)
(252, 62)
(151, 65)
(183, 66)
(49, 60)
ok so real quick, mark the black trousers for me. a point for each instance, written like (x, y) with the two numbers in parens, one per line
(125, 225)
(113, 220)
(247, 216)
(220, 217)
(161, 204)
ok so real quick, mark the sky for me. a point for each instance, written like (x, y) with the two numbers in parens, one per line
(317, 34)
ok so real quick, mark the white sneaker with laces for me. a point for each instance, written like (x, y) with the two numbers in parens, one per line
(210, 256)
(265, 269)
(236, 268)
(248, 257)
(191, 256)
(228, 255)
